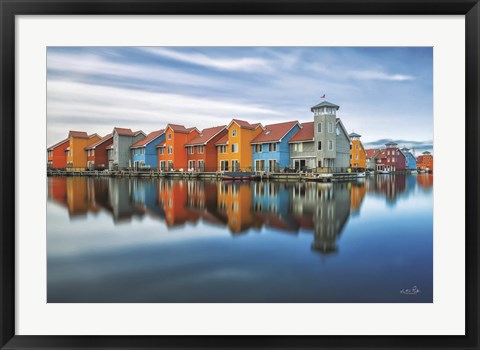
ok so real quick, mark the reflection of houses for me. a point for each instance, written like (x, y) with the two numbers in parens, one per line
(120, 195)
(425, 161)
(119, 153)
(425, 181)
(144, 151)
(202, 152)
(57, 157)
(235, 204)
(358, 157)
(234, 151)
(97, 157)
(173, 197)
(270, 149)
(391, 186)
(172, 154)
(357, 194)
(78, 141)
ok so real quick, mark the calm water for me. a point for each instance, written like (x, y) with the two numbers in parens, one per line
(150, 240)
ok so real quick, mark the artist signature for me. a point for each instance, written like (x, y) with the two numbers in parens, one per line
(411, 291)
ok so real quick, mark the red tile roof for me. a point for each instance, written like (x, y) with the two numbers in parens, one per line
(371, 152)
(51, 148)
(382, 154)
(244, 124)
(274, 132)
(135, 133)
(223, 140)
(104, 139)
(304, 134)
(149, 138)
(78, 134)
(206, 135)
(124, 132)
(181, 128)
(161, 144)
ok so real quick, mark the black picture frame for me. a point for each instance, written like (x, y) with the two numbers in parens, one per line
(10, 8)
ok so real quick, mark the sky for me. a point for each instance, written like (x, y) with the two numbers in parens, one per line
(384, 93)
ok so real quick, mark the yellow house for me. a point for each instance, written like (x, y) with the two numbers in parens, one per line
(358, 156)
(76, 154)
(234, 151)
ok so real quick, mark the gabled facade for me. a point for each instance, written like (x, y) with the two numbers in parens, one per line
(270, 148)
(119, 154)
(358, 157)
(97, 157)
(172, 154)
(391, 158)
(201, 150)
(234, 151)
(302, 148)
(370, 155)
(144, 151)
(425, 161)
(76, 155)
(57, 156)
(410, 161)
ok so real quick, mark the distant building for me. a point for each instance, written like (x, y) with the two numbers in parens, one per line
(202, 151)
(370, 157)
(57, 156)
(144, 151)
(76, 155)
(119, 153)
(391, 158)
(172, 154)
(97, 153)
(410, 161)
(425, 161)
(270, 149)
(358, 157)
(234, 152)
(323, 145)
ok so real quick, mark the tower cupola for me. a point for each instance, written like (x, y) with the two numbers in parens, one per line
(325, 108)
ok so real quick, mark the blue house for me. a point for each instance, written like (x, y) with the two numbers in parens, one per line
(411, 161)
(144, 152)
(270, 148)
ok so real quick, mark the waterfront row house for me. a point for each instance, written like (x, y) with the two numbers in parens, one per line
(425, 161)
(57, 156)
(323, 144)
(119, 156)
(172, 154)
(144, 151)
(202, 151)
(370, 155)
(391, 158)
(234, 151)
(358, 157)
(270, 148)
(76, 155)
(411, 162)
(97, 154)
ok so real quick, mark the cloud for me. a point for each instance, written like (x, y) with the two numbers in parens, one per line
(377, 75)
(246, 64)
(417, 145)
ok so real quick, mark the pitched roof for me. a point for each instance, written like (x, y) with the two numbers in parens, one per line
(102, 140)
(274, 132)
(149, 138)
(78, 134)
(391, 144)
(123, 131)
(325, 104)
(180, 128)
(223, 140)
(244, 124)
(426, 153)
(206, 135)
(382, 154)
(354, 134)
(371, 152)
(51, 148)
(304, 134)
(161, 144)
(135, 133)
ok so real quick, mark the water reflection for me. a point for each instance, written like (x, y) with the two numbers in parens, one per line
(322, 209)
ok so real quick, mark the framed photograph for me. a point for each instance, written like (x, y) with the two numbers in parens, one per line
(253, 175)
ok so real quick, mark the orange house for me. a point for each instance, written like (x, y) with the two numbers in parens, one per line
(202, 152)
(57, 157)
(358, 156)
(172, 154)
(425, 162)
(76, 154)
(234, 151)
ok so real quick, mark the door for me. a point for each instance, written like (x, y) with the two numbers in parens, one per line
(260, 165)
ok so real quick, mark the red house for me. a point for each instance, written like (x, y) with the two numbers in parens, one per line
(97, 157)
(202, 152)
(57, 157)
(391, 158)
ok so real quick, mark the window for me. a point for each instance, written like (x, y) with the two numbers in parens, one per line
(223, 149)
(319, 127)
(235, 165)
(190, 150)
(350, 146)
(319, 145)
(235, 148)
(161, 150)
(142, 150)
(258, 148)
(92, 152)
(356, 146)
(330, 127)
(200, 149)
(330, 145)
(234, 132)
(388, 153)
(201, 165)
(356, 156)
(319, 164)
(224, 165)
(272, 147)
(350, 156)
(298, 147)
(170, 150)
